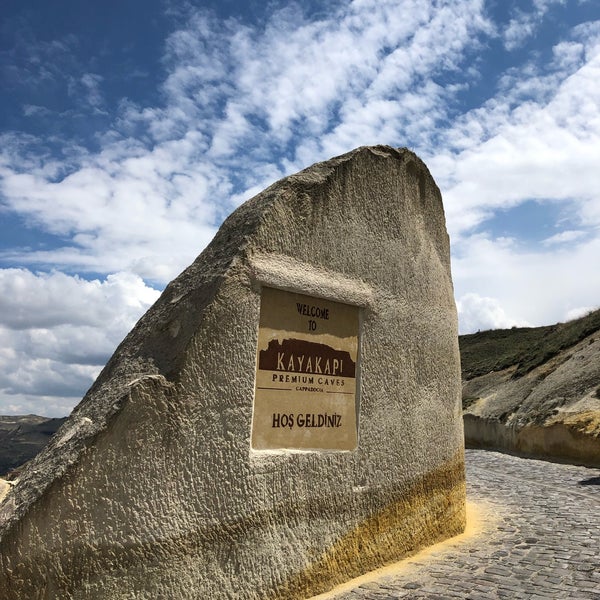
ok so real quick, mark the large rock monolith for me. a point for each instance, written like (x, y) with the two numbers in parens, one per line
(285, 417)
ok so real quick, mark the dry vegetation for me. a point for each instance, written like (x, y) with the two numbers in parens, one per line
(525, 347)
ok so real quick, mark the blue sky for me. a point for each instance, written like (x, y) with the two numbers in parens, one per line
(130, 129)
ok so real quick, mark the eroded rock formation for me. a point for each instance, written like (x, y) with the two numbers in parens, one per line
(152, 489)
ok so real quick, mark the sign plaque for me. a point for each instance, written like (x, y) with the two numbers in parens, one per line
(306, 373)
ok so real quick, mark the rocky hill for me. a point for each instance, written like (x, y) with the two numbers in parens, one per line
(22, 437)
(535, 391)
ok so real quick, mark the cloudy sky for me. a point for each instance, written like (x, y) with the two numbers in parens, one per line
(131, 128)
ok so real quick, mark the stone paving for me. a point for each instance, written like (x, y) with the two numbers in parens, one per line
(538, 537)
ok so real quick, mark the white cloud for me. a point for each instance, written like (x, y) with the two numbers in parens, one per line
(35, 110)
(29, 300)
(91, 83)
(580, 311)
(479, 313)
(564, 237)
(56, 333)
(518, 30)
(524, 24)
(568, 55)
(510, 150)
(536, 286)
(242, 106)
(125, 209)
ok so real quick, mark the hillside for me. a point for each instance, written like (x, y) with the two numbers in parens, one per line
(535, 391)
(22, 437)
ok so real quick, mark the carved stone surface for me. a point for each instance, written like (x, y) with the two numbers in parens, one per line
(152, 489)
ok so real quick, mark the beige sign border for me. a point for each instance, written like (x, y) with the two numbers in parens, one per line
(307, 373)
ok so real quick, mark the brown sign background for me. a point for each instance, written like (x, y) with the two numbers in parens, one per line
(306, 368)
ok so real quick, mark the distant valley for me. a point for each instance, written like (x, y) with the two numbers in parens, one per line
(22, 437)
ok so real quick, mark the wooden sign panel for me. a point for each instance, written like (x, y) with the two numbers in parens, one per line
(306, 373)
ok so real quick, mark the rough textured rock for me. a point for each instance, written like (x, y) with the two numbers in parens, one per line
(552, 411)
(151, 488)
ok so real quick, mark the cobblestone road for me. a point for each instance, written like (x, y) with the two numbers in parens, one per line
(538, 537)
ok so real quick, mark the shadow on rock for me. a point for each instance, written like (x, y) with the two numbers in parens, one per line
(590, 481)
